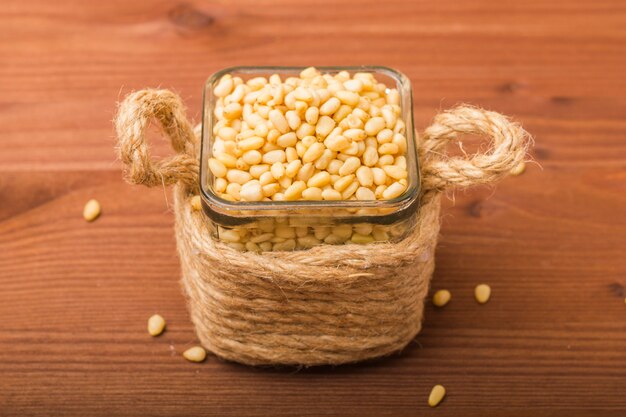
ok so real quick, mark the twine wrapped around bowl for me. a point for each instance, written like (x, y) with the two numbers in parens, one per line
(328, 304)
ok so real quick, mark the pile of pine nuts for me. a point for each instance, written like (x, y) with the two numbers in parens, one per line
(312, 137)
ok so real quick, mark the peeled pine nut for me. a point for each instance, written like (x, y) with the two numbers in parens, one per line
(482, 293)
(196, 203)
(295, 190)
(363, 193)
(156, 325)
(436, 395)
(395, 171)
(315, 151)
(365, 176)
(330, 107)
(519, 169)
(349, 166)
(441, 298)
(92, 210)
(374, 125)
(195, 354)
(279, 121)
(393, 191)
(251, 191)
(330, 194)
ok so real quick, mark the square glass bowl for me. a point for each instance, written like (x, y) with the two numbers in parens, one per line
(301, 224)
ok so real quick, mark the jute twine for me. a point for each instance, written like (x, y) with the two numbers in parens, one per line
(325, 305)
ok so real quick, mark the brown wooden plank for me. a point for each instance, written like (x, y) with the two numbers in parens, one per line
(74, 297)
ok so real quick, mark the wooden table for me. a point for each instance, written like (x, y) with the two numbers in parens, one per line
(75, 297)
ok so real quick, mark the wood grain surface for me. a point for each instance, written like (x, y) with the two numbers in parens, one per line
(75, 297)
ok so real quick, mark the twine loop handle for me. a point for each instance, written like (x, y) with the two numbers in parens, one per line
(509, 144)
(133, 118)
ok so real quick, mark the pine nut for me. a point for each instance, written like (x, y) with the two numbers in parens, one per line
(361, 239)
(342, 113)
(342, 183)
(92, 210)
(277, 170)
(251, 191)
(224, 87)
(395, 171)
(252, 157)
(388, 149)
(379, 175)
(303, 94)
(324, 126)
(233, 190)
(195, 354)
(315, 151)
(287, 140)
(272, 157)
(311, 115)
(238, 176)
(309, 72)
(312, 193)
(292, 168)
(349, 190)
(251, 143)
(227, 133)
(293, 119)
(271, 189)
(232, 111)
(295, 190)
(365, 176)
(354, 85)
(220, 185)
(279, 121)
(330, 194)
(482, 293)
(330, 106)
(228, 160)
(306, 172)
(519, 169)
(389, 115)
(196, 203)
(393, 191)
(287, 245)
(349, 166)
(319, 180)
(229, 235)
(441, 298)
(304, 130)
(364, 193)
(385, 160)
(217, 168)
(337, 143)
(374, 125)
(355, 134)
(436, 395)
(348, 97)
(156, 325)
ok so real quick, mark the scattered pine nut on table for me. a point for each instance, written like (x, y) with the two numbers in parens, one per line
(156, 325)
(436, 395)
(482, 293)
(441, 298)
(92, 210)
(519, 169)
(195, 354)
